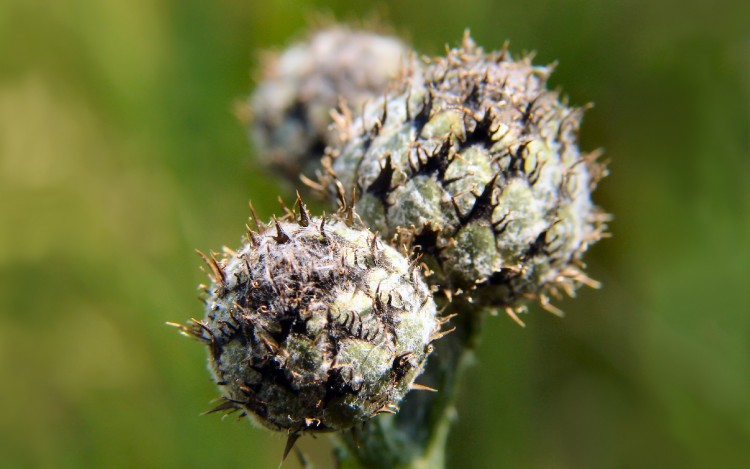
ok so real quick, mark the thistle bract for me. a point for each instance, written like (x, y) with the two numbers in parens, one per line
(315, 326)
(478, 167)
(292, 105)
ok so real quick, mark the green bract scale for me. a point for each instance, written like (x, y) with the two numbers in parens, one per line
(315, 326)
(478, 167)
(291, 107)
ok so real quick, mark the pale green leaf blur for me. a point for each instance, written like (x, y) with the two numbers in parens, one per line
(120, 154)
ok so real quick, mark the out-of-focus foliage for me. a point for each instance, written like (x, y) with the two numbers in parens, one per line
(119, 154)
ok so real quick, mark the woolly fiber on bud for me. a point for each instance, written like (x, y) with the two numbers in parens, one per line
(291, 106)
(478, 167)
(315, 326)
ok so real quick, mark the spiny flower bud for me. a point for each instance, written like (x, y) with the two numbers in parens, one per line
(291, 107)
(315, 326)
(478, 167)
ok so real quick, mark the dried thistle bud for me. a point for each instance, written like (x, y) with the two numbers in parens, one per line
(478, 167)
(315, 326)
(291, 106)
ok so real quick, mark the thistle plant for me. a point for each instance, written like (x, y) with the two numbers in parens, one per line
(291, 107)
(469, 168)
(314, 325)
(476, 166)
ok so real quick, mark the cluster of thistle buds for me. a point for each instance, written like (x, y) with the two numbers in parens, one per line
(469, 169)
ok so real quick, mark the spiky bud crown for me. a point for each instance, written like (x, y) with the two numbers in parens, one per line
(478, 167)
(291, 106)
(315, 326)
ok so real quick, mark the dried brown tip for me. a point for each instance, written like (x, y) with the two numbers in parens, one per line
(288, 213)
(512, 313)
(441, 334)
(341, 196)
(304, 216)
(226, 406)
(315, 186)
(251, 236)
(387, 409)
(290, 441)
(255, 217)
(447, 318)
(184, 330)
(218, 272)
(421, 387)
(544, 302)
(349, 212)
(281, 236)
(323, 225)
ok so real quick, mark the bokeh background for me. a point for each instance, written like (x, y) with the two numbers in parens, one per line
(120, 154)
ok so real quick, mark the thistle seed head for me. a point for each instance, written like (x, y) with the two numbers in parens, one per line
(291, 107)
(478, 167)
(315, 326)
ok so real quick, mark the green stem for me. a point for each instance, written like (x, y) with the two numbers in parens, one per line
(416, 437)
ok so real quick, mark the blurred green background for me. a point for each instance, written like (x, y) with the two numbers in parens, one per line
(120, 154)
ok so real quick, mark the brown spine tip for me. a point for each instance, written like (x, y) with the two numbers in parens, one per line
(287, 212)
(323, 225)
(290, 441)
(414, 263)
(421, 387)
(184, 330)
(315, 186)
(460, 214)
(341, 196)
(304, 216)
(512, 313)
(226, 406)
(387, 409)
(549, 307)
(441, 334)
(251, 236)
(255, 217)
(281, 236)
(385, 109)
(447, 318)
(503, 55)
(218, 272)
(349, 220)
